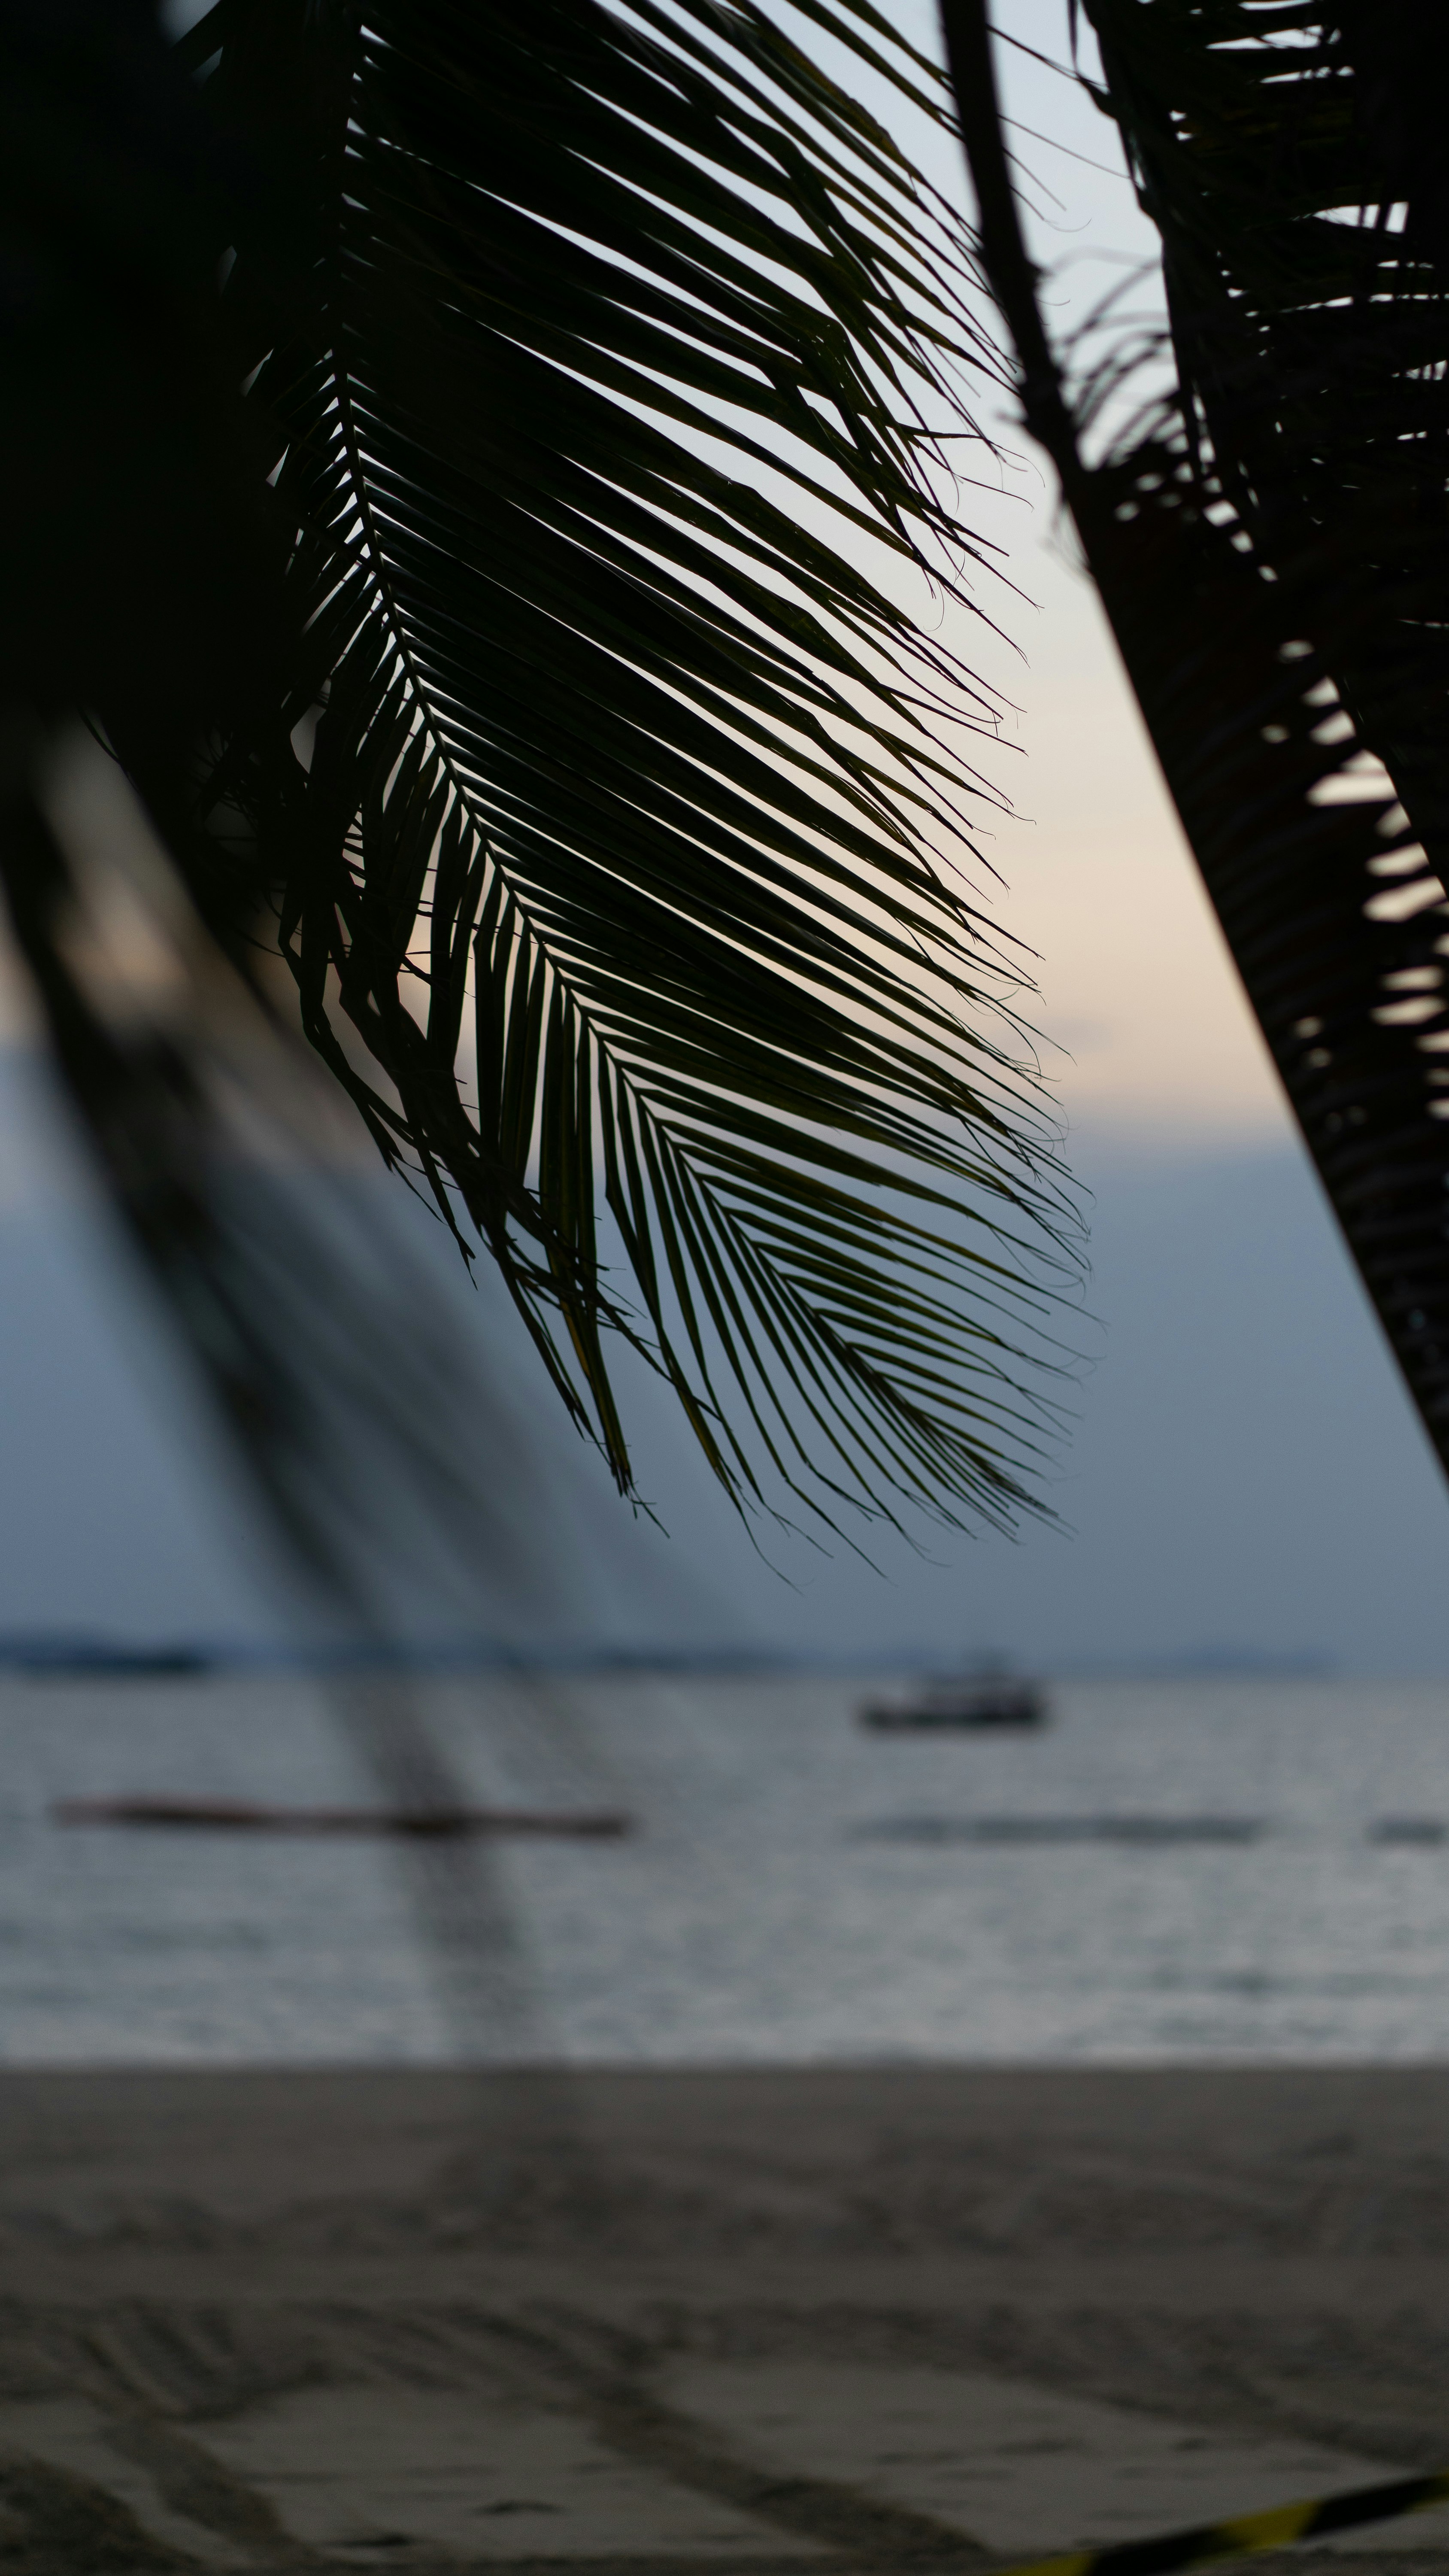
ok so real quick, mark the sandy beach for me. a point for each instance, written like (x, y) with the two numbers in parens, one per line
(734, 2323)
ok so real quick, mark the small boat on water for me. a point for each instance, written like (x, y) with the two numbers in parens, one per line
(974, 1701)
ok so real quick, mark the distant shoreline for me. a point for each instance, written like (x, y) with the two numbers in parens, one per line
(83, 1657)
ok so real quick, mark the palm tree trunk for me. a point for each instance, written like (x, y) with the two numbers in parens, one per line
(1271, 554)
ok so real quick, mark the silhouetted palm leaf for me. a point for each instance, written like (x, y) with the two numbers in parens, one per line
(1273, 550)
(530, 668)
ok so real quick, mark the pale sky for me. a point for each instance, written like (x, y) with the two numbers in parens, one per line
(1137, 987)
(1136, 983)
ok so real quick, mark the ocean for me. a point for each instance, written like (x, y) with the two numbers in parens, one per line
(1173, 1870)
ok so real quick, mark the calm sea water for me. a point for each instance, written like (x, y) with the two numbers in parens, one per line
(1172, 1870)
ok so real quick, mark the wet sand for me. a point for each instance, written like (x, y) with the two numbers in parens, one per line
(732, 2323)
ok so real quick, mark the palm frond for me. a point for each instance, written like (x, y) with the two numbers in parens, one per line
(1273, 551)
(607, 825)
(145, 626)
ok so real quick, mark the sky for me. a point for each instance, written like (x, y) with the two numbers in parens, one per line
(1245, 1477)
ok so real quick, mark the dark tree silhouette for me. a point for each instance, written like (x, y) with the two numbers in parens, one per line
(475, 459)
(1271, 543)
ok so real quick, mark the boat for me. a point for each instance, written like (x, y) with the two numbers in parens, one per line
(964, 1703)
